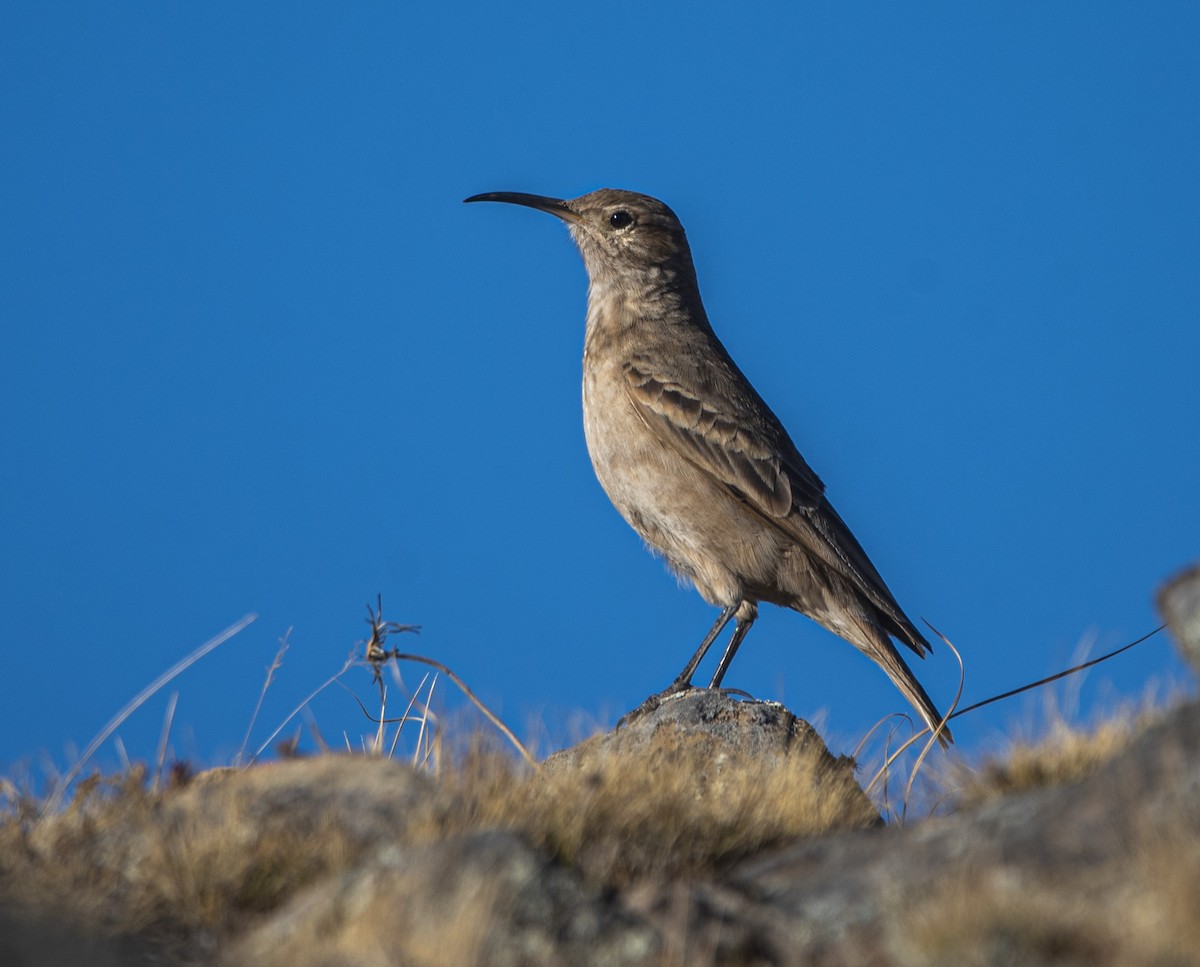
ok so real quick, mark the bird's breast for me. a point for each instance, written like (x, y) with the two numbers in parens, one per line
(675, 507)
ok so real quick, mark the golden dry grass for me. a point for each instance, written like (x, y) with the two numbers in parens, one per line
(173, 866)
(1066, 753)
(119, 860)
(672, 810)
(130, 862)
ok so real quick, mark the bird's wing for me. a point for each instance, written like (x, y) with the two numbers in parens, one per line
(725, 444)
(837, 539)
(766, 469)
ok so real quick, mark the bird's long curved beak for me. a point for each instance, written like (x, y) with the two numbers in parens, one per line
(543, 203)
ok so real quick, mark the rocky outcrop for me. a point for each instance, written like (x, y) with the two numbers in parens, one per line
(1082, 873)
(349, 860)
(479, 898)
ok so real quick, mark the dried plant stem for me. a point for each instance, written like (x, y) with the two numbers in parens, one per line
(53, 801)
(275, 666)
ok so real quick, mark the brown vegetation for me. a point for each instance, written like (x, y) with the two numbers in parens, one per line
(603, 855)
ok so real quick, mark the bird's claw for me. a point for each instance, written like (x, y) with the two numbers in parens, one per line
(654, 701)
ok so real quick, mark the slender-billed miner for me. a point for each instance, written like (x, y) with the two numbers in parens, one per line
(694, 459)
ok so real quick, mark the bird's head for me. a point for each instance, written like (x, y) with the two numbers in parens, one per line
(619, 233)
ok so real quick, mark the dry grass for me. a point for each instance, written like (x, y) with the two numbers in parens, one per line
(129, 861)
(121, 860)
(1066, 753)
(175, 865)
(673, 810)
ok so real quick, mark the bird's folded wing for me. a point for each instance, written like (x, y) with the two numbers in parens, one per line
(723, 444)
(768, 472)
(852, 560)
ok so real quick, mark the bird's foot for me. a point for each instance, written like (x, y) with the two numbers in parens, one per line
(676, 687)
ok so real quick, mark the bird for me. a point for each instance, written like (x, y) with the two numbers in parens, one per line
(696, 461)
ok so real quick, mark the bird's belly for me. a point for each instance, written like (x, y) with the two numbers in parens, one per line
(706, 534)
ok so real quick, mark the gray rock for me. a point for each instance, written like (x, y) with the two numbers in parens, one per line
(1179, 604)
(747, 727)
(484, 898)
(1105, 870)
(853, 898)
(725, 729)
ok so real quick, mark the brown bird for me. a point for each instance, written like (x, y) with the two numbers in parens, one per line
(694, 459)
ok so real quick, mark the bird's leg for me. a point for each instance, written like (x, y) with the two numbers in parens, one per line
(683, 681)
(684, 678)
(739, 632)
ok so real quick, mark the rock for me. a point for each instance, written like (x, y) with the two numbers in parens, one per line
(346, 860)
(749, 728)
(1179, 604)
(1034, 878)
(48, 942)
(483, 898)
(690, 787)
(191, 864)
(718, 732)
(369, 798)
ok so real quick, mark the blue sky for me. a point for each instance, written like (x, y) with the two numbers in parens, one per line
(258, 357)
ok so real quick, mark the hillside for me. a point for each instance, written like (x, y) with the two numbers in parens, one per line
(709, 831)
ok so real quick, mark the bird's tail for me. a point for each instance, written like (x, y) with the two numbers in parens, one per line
(874, 642)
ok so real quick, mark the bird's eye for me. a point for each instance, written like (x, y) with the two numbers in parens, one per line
(620, 219)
